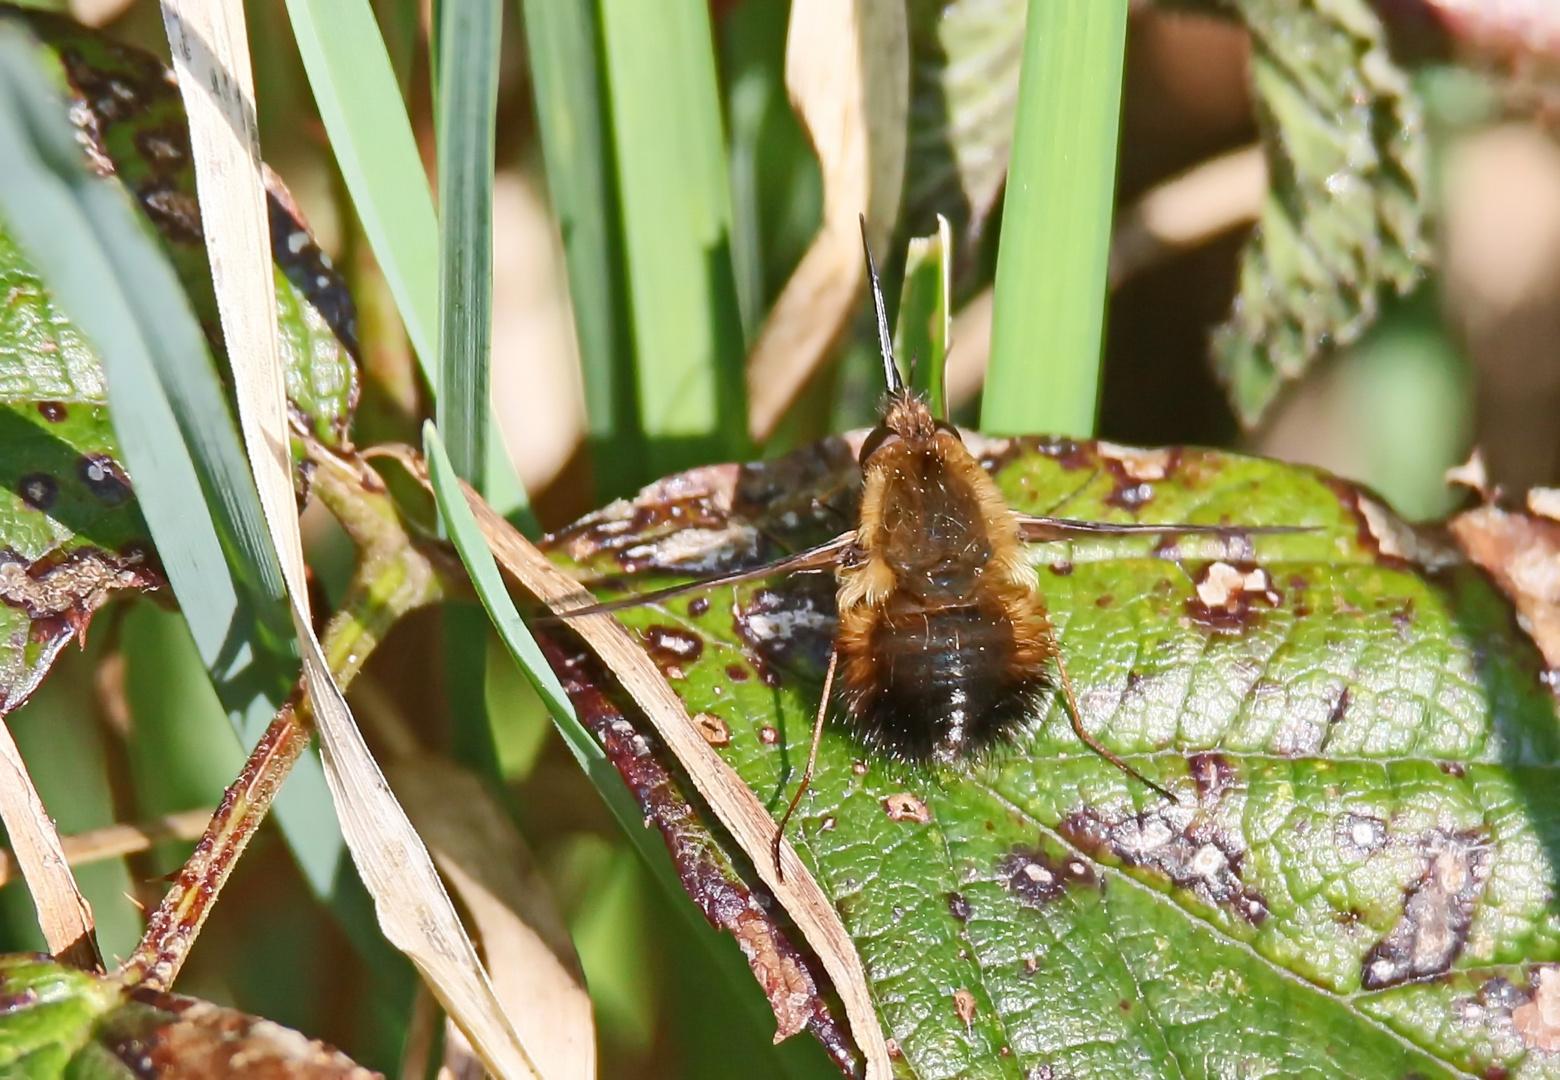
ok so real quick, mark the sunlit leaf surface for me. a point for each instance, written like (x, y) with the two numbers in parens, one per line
(1357, 880)
(70, 531)
(57, 1022)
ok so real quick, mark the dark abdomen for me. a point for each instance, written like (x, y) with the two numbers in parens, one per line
(940, 684)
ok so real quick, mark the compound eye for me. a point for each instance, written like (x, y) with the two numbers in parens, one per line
(878, 436)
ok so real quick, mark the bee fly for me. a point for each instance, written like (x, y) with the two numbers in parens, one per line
(944, 647)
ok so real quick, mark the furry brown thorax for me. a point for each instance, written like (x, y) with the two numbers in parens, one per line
(943, 640)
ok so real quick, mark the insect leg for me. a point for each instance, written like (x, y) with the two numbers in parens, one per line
(1094, 744)
(812, 758)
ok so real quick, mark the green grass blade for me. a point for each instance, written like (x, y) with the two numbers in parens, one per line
(357, 94)
(489, 583)
(1050, 292)
(676, 212)
(925, 322)
(567, 85)
(467, 106)
(360, 103)
(191, 478)
(466, 42)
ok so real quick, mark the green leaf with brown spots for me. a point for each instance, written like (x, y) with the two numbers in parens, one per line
(1357, 879)
(71, 534)
(58, 1022)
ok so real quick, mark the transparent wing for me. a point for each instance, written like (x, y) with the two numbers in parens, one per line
(820, 557)
(1035, 529)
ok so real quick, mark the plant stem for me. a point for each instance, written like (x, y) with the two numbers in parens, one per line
(394, 576)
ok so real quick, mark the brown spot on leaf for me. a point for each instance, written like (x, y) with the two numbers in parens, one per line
(859, 768)
(1037, 879)
(964, 1006)
(1062, 568)
(1177, 842)
(53, 411)
(1437, 911)
(1226, 593)
(103, 478)
(768, 735)
(713, 728)
(738, 673)
(1104, 600)
(906, 807)
(1538, 1021)
(176, 213)
(1136, 465)
(1382, 532)
(958, 907)
(1133, 471)
(1213, 773)
(1068, 454)
(789, 626)
(166, 149)
(38, 490)
(72, 585)
(683, 522)
(670, 644)
(1130, 497)
(698, 606)
(791, 991)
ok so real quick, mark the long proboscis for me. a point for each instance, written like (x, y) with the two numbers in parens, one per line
(880, 309)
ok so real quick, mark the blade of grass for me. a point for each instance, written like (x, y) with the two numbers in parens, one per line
(398, 21)
(474, 553)
(925, 324)
(562, 38)
(676, 211)
(356, 91)
(467, 39)
(1044, 373)
(118, 287)
(467, 106)
(210, 49)
(360, 103)
(469, 541)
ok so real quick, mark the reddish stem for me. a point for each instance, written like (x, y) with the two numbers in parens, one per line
(172, 930)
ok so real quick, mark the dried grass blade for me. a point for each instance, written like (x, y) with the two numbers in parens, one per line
(210, 52)
(492, 872)
(64, 915)
(847, 66)
(738, 809)
(112, 841)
